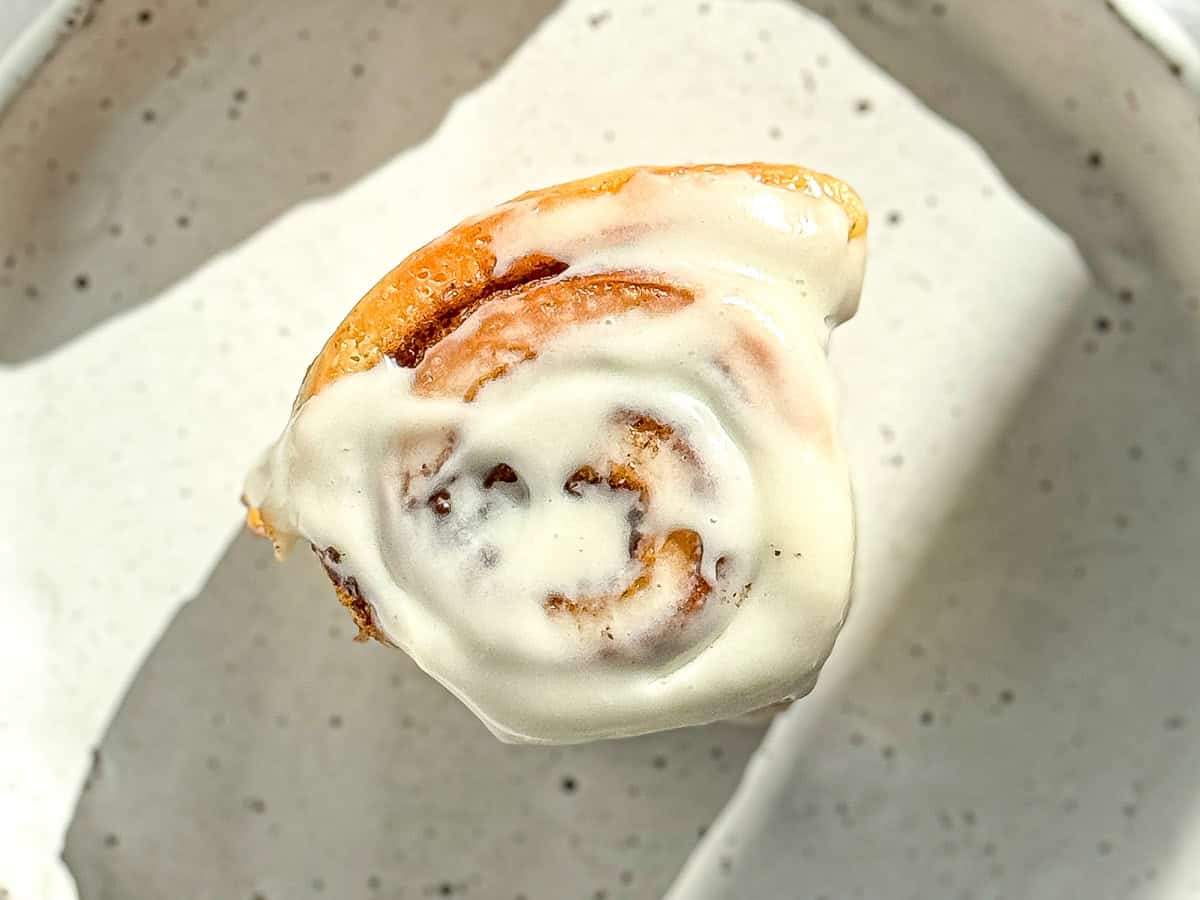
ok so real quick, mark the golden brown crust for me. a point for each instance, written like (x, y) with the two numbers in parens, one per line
(444, 281)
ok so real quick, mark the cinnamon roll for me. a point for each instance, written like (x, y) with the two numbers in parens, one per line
(578, 458)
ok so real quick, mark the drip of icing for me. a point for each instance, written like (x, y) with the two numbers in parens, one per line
(461, 565)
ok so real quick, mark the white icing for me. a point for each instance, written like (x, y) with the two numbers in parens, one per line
(464, 591)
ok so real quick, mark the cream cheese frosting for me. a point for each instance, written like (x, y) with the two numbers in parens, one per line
(467, 527)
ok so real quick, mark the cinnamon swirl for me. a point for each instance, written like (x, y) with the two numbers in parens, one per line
(578, 458)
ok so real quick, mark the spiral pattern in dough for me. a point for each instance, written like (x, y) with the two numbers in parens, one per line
(577, 457)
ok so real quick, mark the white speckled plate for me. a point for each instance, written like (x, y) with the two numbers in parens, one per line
(29, 32)
(1012, 709)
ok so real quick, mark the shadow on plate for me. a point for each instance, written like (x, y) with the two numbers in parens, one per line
(1023, 722)
(161, 135)
(261, 754)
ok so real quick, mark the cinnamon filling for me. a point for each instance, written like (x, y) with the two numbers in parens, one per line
(351, 597)
(681, 550)
(501, 472)
(526, 308)
(517, 324)
(462, 302)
